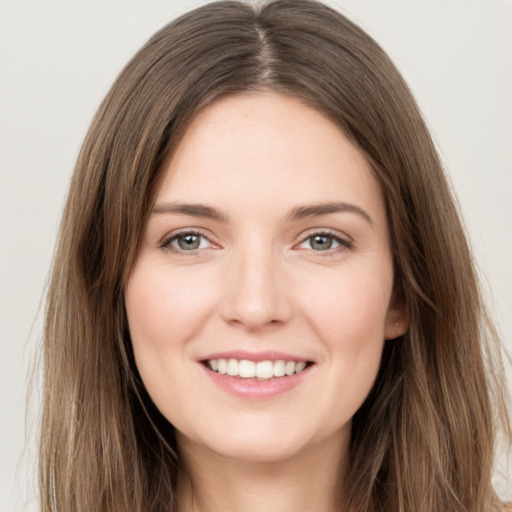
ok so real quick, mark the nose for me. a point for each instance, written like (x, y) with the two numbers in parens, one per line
(255, 295)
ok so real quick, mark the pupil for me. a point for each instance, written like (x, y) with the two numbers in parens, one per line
(188, 242)
(321, 243)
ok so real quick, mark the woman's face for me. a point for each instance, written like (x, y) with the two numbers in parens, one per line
(262, 294)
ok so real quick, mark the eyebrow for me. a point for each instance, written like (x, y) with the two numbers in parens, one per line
(193, 210)
(314, 210)
(297, 213)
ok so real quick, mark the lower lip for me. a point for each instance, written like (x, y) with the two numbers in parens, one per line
(257, 389)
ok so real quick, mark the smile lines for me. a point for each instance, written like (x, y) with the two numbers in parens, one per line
(246, 369)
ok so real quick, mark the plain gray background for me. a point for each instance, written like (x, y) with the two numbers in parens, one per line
(57, 60)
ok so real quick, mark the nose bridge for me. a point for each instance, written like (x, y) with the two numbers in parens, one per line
(255, 296)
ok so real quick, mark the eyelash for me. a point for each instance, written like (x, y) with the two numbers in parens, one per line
(344, 243)
(166, 243)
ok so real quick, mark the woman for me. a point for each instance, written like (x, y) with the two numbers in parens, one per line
(262, 294)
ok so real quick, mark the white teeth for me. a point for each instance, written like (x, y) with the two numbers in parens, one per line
(232, 367)
(246, 369)
(223, 366)
(290, 368)
(264, 370)
(279, 368)
(300, 366)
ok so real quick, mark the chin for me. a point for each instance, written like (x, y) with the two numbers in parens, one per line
(260, 450)
(261, 441)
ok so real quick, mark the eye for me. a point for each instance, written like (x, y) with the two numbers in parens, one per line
(325, 241)
(187, 241)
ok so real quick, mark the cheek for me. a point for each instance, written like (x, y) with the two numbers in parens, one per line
(349, 306)
(165, 308)
(354, 365)
(165, 311)
(349, 316)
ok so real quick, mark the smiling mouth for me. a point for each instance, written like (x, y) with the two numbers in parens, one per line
(261, 370)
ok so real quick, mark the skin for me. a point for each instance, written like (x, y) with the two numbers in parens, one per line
(257, 282)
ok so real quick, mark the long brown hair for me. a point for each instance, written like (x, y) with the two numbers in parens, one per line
(424, 439)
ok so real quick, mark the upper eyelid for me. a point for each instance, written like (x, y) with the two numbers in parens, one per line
(345, 242)
(169, 237)
(187, 230)
(335, 233)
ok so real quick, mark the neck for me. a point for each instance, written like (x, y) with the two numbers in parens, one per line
(306, 481)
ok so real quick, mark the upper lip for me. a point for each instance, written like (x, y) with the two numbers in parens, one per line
(268, 355)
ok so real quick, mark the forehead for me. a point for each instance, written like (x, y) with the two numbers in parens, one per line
(242, 150)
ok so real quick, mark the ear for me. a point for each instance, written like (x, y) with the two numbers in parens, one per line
(397, 318)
